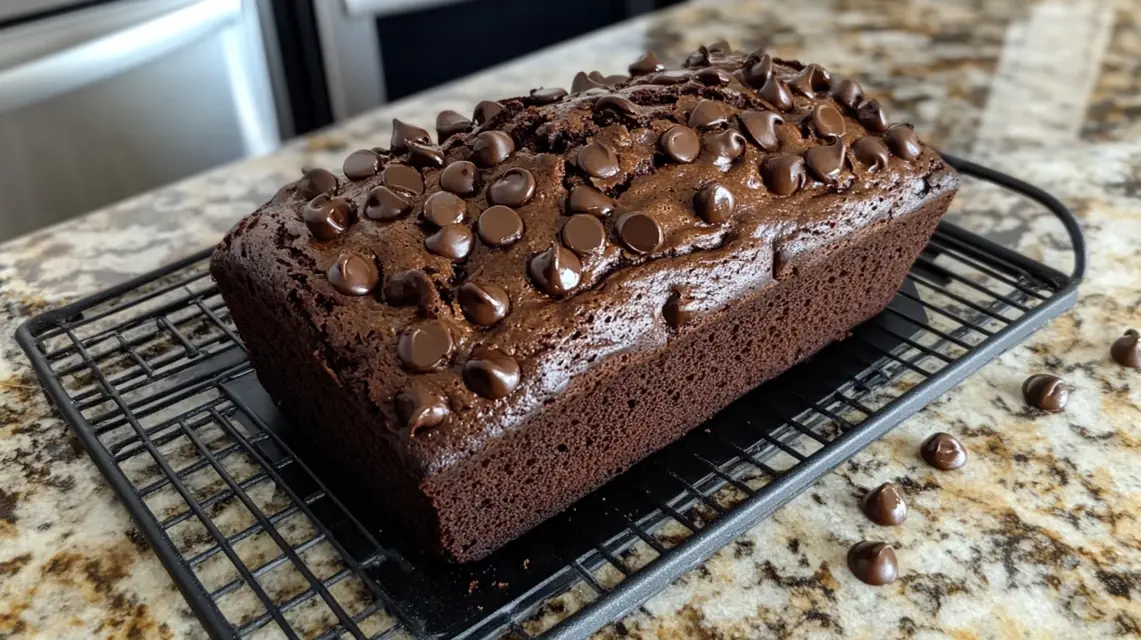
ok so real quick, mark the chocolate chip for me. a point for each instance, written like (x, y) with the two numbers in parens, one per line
(811, 80)
(1126, 351)
(676, 311)
(723, 147)
(827, 161)
(609, 81)
(425, 346)
(500, 226)
(699, 58)
(412, 287)
(715, 203)
(884, 505)
(449, 123)
(720, 47)
(873, 563)
(871, 152)
(707, 115)
(483, 303)
(598, 160)
(757, 73)
(514, 188)
(583, 82)
(712, 76)
(556, 270)
(452, 241)
(403, 179)
(776, 94)
(403, 133)
(673, 76)
(826, 121)
(384, 204)
(585, 199)
(459, 178)
(1046, 392)
(327, 217)
(316, 182)
(640, 232)
(443, 208)
(491, 374)
(848, 93)
(680, 144)
(755, 55)
(943, 452)
(424, 156)
(421, 407)
(584, 234)
(783, 174)
(486, 110)
(361, 164)
(547, 95)
(491, 148)
(761, 127)
(617, 104)
(871, 116)
(648, 63)
(353, 274)
(903, 142)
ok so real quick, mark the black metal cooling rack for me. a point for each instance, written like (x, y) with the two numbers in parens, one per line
(265, 540)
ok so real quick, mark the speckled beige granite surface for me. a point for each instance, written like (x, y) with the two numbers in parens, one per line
(1038, 536)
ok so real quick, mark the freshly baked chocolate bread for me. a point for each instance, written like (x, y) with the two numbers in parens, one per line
(484, 328)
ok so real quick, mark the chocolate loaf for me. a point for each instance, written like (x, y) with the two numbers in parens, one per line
(483, 329)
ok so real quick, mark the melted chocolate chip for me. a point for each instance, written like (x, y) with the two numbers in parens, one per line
(609, 81)
(848, 93)
(761, 128)
(483, 303)
(715, 203)
(775, 93)
(648, 63)
(556, 270)
(871, 152)
(1046, 392)
(884, 505)
(903, 142)
(707, 115)
(402, 178)
(1126, 351)
(672, 76)
(404, 133)
(680, 144)
(811, 80)
(500, 226)
(676, 311)
(424, 347)
(720, 47)
(449, 123)
(827, 161)
(384, 204)
(585, 199)
(327, 217)
(491, 374)
(412, 287)
(459, 178)
(424, 156)
(873, 563)
(640, 232)
(514, 188)
(784, 174)
(353, 275)
(826, 121)
(723, 147)
(421, 407)
(443, 208)
(583, 82)
(598, 160)
(491, 148)
(943, 452)
(452, 241)
(712, 76)
(584, 234)
(871, 116)
(699, 58)
(361, 164)
(316, 182)
(758, 73)
(547, 95)
(616, 104)
(486, 110)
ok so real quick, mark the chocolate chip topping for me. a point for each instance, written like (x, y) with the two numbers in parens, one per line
(491, 374)
(500, 226)
(723, 147)
(676, 311)
(452, 241)
(483, 303)
(421, 407)
(943, 452)
(316, 182)
(491, 148)
(720, 47)
(425, 156)
(640, 232)
(384, 204)
(811, 80)
(672, 76)
(872, 116)
(583, 82)
(848, 93)
(443, 208)
(404, 133)
(609, 81)
(1046, 392)
(598, 160)
(827, 161)
(699, 58)
(547, 95)
(327, 217)
(680, 144)
(403, 179)
(648, 63)
(884, 505)
(761, 127)
(615, 104)
(826, 121)
(449, 123)
(584, 199)
(424, 347)
(514, 188)
(459, 178)
(555, 270)
(758, 73)
(784, 174)
(707, 115)
(871, 152)
(1126, 351)
(713, 77)
(714, 203)
(873, 563)
(775, 93)
(903, 142)
(361, 164)
(486, 110)
(412, 287)
(353, 274)
(584, 234)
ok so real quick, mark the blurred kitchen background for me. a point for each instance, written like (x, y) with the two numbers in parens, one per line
(103, 99)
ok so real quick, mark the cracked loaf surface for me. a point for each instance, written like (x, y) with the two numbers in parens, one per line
(485, 328)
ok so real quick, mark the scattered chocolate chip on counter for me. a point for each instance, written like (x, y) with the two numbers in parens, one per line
(885, 505)
(873, 563)
(1046, 392)
(1126, 350)
(943, 452)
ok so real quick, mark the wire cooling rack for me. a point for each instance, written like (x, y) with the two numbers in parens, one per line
(265, 539)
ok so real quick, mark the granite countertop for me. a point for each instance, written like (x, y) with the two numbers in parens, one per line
(1038, 536)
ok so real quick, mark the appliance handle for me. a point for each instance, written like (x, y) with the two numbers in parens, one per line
(378, 8)
(108, 55)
